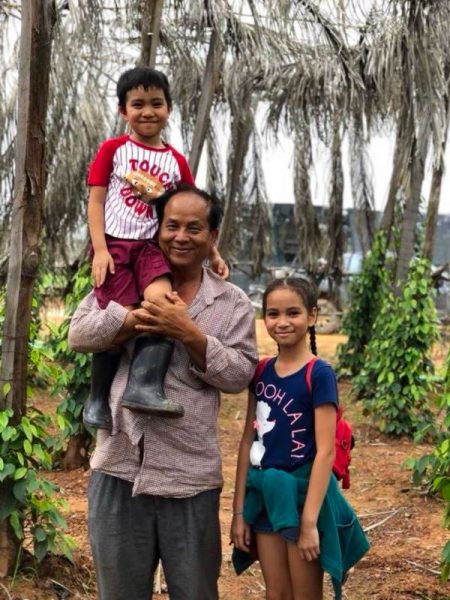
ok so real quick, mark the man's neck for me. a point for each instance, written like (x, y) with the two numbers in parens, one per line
(186, 283)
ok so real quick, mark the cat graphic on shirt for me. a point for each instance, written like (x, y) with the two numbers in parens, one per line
(262, 426)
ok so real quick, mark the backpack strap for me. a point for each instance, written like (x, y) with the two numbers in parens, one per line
(309, 368)
(260, 368)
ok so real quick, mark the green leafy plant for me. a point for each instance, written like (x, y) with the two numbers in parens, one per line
(72, 380)
(367, 291)
(26, 499)
(397, 377)
(434, 469)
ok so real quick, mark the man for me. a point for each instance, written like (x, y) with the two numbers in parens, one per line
(155, 487)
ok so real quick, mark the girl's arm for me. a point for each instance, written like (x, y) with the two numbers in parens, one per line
(240, 531)
(102, 260)
(217, 263)
(325, 432)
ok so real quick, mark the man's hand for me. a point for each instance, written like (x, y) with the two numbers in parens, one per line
(101, 262)
(167, 316)
(219, 266)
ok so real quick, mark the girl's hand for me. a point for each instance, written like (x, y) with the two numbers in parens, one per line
(101, 262)
(308, 543)
(220, 267)
(240, 534)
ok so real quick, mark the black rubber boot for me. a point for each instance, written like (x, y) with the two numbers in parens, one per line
(97, 413)
(144, 392)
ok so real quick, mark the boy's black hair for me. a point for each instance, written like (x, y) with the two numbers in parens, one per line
(145, 77)
(215, 209)
(306, 290)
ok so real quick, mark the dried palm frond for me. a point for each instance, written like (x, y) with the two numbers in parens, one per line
(309, 236)
(214, 173)
(254, 202)
(361, 180)
(335, 215)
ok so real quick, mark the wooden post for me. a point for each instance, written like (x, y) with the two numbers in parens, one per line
(151, 25)
(34, 68)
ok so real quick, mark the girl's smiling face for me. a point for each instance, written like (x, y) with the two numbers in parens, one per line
(286, 318)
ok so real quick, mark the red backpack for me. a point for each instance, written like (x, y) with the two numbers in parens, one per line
(344, 437)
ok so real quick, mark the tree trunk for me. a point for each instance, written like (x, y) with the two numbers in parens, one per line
(335, 217)
(206, 99)
(241, 128)
(362, 188)
(400, 173)
(435, 191)
(433, 207)
(151, 25)
(77, 453)
(34, 68)
(307, 224)
(419, 149)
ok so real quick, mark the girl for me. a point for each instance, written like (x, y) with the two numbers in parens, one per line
(286, 499)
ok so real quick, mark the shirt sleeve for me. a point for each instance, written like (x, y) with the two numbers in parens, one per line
(101, 167)
(324, 385)
(93, 329)
(231, 361)
(185, 171)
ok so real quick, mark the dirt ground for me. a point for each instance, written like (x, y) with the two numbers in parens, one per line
(404, 525)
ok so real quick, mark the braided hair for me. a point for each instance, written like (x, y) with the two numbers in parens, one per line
(306, 290)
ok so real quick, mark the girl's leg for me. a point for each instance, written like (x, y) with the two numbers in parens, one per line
(273, 558)
(306, 576)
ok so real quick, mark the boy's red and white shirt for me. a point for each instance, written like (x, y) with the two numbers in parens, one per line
(126, 216)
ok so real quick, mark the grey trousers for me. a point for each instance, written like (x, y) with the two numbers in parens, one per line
(129, 535)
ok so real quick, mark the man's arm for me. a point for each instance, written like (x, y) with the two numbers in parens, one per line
(227, 363)
(170, 317)
(95, 330)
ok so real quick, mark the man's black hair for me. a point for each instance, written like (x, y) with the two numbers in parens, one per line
(215, 209)
(145, 77)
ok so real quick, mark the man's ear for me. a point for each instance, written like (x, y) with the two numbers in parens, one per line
(214, 235)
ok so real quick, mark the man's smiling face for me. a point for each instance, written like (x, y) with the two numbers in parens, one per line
(185, 236)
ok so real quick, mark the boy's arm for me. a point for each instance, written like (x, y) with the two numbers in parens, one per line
(218, 265)
(102, 260)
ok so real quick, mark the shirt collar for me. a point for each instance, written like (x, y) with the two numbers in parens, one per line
(210, 288)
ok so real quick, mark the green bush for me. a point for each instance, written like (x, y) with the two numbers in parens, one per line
(367, 291)
(396, 379)
(72, 381)
(26, 499)
(434, 468)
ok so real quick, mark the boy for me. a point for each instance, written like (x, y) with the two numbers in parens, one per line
(126, 175)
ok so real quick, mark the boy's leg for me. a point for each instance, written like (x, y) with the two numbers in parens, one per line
(190, 545)
(122, 533)
(152, 354)
(97, 412)
(273, 559)
(120, 288)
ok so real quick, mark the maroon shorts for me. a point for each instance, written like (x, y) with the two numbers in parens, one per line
(137, 263)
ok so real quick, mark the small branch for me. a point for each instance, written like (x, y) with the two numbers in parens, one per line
(375, 525)
(423, 567)
(375, 514)
(57, 585)
(6, 590)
